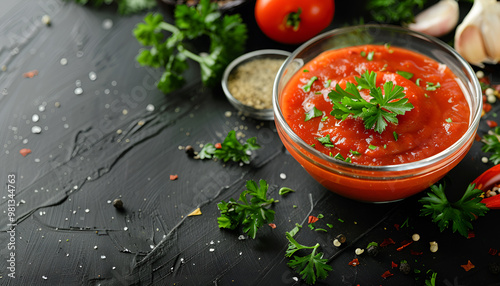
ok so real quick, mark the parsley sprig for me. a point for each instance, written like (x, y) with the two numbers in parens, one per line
(394, 12)
(311, 266)
(492, 144)
(459, 214)
(227, 36)
(251, 214)
(230, 149)
(125, 7)
(382, 108)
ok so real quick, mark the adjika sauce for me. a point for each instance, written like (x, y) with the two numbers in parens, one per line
(439, 118)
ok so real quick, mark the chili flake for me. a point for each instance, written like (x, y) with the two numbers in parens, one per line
(30, 74)
(312, 219)
(413, 252)
(24, 152)
(173, 177)
(471, 234)
(387, 274)
(468, 266)
(396, 226)
(387, 241)
(354, 262)
(393, 265)
(404, 245)
(272, 225)
(493, 251)
(218, 145)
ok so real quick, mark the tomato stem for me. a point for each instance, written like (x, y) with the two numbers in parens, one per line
(293, 19)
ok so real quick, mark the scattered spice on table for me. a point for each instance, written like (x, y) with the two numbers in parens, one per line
(387, 274)
(387, 241)
(30, 74)
(252, 82)
(117, 203)
(173, 177)
(354, 262)
(25, 151)
(468, 266)
(195, 212)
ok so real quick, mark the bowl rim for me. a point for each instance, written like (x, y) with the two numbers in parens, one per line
(417, 165)
(266, 113)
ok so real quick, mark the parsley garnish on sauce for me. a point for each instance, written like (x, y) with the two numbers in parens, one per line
(326, 141)
(382, 108)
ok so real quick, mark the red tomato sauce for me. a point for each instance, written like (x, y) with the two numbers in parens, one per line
(439, 118)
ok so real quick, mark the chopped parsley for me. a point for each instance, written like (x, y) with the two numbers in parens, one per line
(492, 144)
(314, 112)
(326, 141)
(432, 86)
(230, 149)
(405, 74)
(307, 87)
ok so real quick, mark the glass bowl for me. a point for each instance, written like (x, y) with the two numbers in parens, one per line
(246, 109)
(383, 183)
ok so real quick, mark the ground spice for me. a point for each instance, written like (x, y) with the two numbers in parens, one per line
(354, 262)
(252, 82)
(468, 266)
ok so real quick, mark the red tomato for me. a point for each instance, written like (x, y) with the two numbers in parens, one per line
(293, 21)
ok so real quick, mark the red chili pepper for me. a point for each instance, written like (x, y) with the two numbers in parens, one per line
(312, 219)
(485, 182)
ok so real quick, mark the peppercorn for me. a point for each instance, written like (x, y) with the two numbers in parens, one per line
(404, 267)
(341, 238)
(117, 203)
(189, 150)
(494, 268)
(372, 250)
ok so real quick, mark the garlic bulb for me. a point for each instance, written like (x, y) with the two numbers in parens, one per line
(477, 38)
(437, 20)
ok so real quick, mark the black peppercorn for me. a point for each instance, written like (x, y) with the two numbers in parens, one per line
(117, 203)
(404, 267)
(189, 150)
(372, 250)
(494, 268)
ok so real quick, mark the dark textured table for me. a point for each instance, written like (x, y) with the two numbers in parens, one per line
(99, 130)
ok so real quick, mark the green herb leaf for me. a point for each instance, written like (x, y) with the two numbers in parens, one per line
(250, 214)
(125, 7)
(382, 108)
(394, 12)
(432, 86)
(405, 74)
(325, 141)
(227, 35)
(458, 214)
(307, 87)
(285, 190)
(314, 112)
(370, 55)
(232, 149)
(312, 266)
(207, 152)
(492, 144)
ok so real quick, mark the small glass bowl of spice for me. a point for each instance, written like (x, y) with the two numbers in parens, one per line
(248, 82)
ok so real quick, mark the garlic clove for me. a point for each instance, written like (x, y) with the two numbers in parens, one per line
(491, 25)
(477, 38)
(470, 45)
(437, 20)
